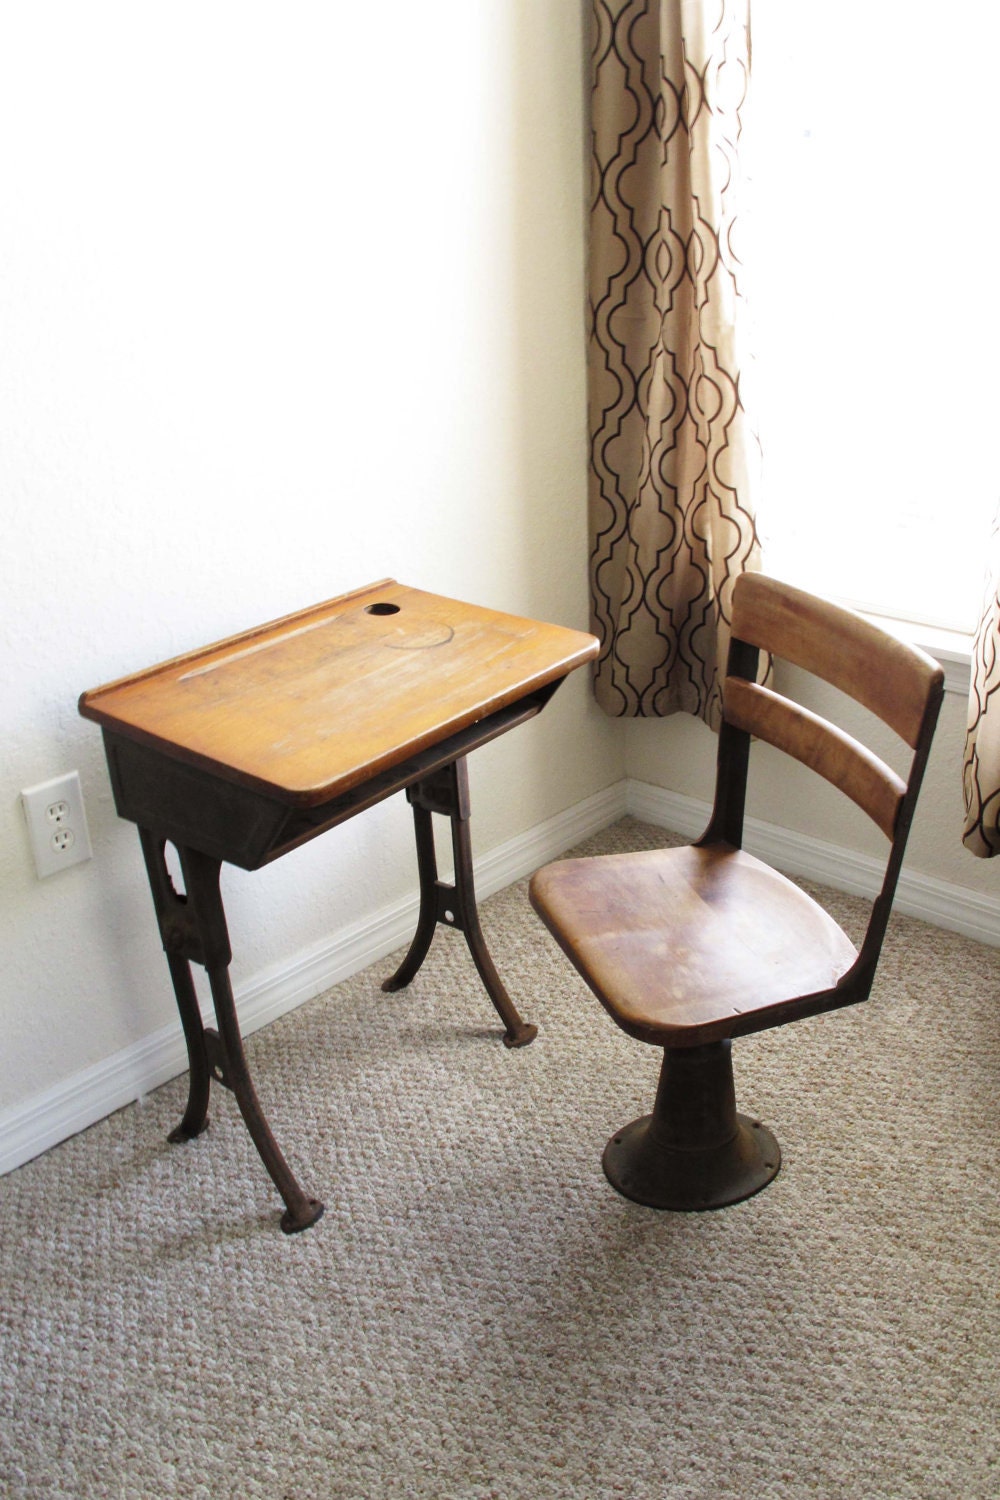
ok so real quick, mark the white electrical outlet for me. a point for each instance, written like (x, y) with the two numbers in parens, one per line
(57, 823)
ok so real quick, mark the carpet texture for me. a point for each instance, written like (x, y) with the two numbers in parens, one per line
(479, 1316)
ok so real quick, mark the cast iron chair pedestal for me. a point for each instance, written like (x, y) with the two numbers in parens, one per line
(694, 1151)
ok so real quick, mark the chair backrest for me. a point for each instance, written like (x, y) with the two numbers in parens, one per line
(898, 683)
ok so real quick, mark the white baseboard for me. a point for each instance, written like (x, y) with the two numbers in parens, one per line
(939, 902)
(79, 1101)
(90, 1095)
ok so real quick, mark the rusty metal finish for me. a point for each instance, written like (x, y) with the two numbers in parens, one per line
(193, 929)
(694, 1151)
(447, 793)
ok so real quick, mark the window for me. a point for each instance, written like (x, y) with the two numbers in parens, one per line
(875, 300)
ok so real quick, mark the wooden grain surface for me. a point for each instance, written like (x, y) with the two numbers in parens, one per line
(313, 704)
(824, 747)
(684, 942)
(889, 677)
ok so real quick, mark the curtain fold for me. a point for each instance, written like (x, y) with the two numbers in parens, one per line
(981, 769)
(672, 458)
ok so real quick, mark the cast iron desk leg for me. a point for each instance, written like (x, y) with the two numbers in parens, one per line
(447, 792)
(193, 929)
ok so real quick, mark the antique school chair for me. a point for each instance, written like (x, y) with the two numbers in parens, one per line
(690, 947)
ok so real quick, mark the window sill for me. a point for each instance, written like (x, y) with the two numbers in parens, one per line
(952, 648)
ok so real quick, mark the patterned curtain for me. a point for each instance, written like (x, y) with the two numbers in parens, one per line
(981, 771)
(671, 522)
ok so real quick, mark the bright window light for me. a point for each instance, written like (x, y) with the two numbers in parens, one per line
(873, 140)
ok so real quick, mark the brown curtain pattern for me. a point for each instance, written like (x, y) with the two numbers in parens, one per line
(981, 770)
(671, 453)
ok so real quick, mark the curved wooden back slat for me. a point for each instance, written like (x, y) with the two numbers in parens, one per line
(822, 746)
(890, 678)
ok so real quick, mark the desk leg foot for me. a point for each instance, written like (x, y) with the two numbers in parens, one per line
(180, 1133)
(521, 1035)
(193, 928)
(230, 1068)
(294, 1223)
(517, 1033)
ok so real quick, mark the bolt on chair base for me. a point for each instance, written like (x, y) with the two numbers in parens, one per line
(641, 1168)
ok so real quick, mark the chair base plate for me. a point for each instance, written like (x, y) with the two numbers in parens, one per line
(642, 1168)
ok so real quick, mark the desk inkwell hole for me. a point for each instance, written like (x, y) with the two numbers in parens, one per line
(382, 608)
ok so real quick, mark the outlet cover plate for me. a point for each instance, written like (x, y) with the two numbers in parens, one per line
(57, 824)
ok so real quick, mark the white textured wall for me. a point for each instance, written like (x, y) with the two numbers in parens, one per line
(291, 299)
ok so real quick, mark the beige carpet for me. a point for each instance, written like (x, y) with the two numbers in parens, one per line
(480, 1316)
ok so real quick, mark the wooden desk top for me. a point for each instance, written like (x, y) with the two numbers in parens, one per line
(314, 704)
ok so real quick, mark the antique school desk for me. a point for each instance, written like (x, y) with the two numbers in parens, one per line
(248, 748)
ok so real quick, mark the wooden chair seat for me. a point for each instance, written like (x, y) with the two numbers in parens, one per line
(684, 946)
